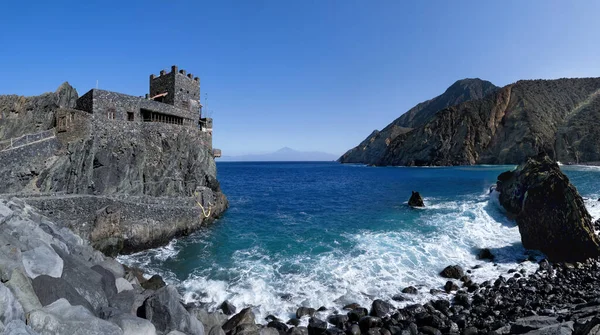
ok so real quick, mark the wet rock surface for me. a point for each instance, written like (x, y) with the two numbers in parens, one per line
(550, 212)
(416, 200)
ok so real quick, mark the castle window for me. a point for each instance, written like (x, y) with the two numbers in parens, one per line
(62, 124)
(130, 116)
(111, 113)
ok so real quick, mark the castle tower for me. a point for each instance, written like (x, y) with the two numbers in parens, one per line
(176, 88)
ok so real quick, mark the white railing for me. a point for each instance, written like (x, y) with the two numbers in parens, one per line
(17, 142)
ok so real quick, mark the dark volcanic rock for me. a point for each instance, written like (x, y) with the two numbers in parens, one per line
(338, 320)
(228, 308)
(550, 212)
(297, 331)
(49, 289)
(166, 312)
(244, 316)
(294, 322)
(316, 326)
(357, 313)
(410, 290)
(453, 271)
(485, 254)
(280, 326)
(372, 149)
(302, 311)
(351, 306)
(450, 286)
(380, 308)
(505, 127)
(367, 322)
(154, 283)
(416, 200)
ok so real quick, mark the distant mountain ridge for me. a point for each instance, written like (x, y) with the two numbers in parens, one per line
(559, 117)
(284, 154)
(373, 148)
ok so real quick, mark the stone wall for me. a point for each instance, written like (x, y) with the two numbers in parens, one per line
(72, 124)
(139, 222)
(86, 102)
(161, 84)
(118, 106)
(21, 167)
(187, 92)
(183, 89)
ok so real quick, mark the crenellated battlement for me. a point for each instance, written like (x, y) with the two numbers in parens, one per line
(174, 71)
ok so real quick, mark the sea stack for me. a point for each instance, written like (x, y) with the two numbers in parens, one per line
(550, 212)
(416, 200)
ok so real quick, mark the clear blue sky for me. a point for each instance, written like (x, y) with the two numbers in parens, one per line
(311, 75)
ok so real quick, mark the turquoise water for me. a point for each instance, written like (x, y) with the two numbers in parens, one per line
(325, 234)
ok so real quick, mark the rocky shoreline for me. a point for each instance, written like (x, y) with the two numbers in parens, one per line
(41, 285)
(558, 298)
(54, 282)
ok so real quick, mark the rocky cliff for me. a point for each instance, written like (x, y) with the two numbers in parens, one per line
(372, 149)
(21, 115)
(124, 186)
(558, 117)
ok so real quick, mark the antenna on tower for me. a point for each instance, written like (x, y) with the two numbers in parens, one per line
(96, 83)
(206, 104)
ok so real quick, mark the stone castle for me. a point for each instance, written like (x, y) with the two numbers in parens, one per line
(173, 98)
(124, 172)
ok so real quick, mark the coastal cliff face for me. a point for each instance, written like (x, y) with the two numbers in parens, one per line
(506, 127)
(558, 117)
(373, 148)
(150, 177)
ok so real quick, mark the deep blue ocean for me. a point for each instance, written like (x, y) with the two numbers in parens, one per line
(326, 234)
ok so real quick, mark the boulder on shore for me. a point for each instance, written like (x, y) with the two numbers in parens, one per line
(416, 200)
(453, 271)
(550, 212)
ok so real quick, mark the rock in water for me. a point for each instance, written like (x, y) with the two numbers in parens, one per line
(485, 253)
(550, 212)
(228, 308)
(452, 271)
(416, 200)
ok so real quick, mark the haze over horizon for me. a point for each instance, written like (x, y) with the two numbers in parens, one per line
(313, 76)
